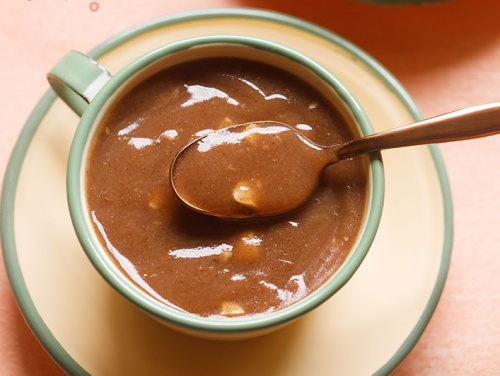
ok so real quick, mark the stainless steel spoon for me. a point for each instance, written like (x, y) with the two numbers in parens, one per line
(240, 173)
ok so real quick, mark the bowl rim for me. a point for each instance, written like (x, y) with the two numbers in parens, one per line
(160, 310)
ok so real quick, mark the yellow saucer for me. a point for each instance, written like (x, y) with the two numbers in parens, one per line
(367, 328)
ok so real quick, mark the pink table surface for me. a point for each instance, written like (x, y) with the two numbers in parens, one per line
(446, 55)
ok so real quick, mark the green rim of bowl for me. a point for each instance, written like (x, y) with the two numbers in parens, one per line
(11, 178)
(76, 191)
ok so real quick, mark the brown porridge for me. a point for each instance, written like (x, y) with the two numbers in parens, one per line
(199, 264)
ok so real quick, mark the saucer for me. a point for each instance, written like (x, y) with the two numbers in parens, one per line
(366, 328)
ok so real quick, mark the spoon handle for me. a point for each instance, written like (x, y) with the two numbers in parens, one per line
(473, 122)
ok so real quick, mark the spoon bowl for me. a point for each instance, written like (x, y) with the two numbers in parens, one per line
(258, 155)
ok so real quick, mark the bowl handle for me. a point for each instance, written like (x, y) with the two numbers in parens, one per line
(77, 78)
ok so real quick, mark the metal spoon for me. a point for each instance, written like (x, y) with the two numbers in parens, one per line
(247, 171)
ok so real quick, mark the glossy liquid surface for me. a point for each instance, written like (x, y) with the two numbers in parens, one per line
(200, 264)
